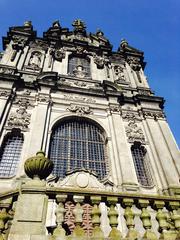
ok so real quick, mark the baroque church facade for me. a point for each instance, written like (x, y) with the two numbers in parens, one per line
(112, 167)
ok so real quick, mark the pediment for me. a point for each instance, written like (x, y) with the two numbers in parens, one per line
(82, 179)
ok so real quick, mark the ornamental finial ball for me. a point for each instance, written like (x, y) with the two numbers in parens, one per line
(38, 166)
(27, 24)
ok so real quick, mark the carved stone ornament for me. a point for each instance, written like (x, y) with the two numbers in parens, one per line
(81, 84)
(130, 116)
(80, 110)
(79, 25)
(27, 93)
(80, 50)
(19, 119)
(39, 44)
(134, 132)
(145, 92)
(35, 60)
(114, 109)
(79, 71)
(5, 70)
(4, 94)
(23, 102)
(19, 41)
(119, 73)
(79, 98)
(59, 54)
(99, 61)
(154, 114)
(43, 99)
(134, 63)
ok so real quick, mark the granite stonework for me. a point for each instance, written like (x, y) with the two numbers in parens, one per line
(38, 90)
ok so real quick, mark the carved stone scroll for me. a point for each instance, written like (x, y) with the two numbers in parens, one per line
(80, 110)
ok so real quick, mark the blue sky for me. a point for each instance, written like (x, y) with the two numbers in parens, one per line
(152, 26)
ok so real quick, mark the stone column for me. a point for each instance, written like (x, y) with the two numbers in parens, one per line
(6, 88)
(170, 143)
(39, 119)
(164, 156)
(124, 165)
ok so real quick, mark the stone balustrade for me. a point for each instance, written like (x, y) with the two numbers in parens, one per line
(115, 216)
(89, 215)
(38, 211)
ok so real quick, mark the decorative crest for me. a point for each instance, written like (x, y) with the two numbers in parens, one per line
(79, 25)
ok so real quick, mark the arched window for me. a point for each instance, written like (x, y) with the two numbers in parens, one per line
(79, 66)
(78, 144)
(141, 164)
(10, 153)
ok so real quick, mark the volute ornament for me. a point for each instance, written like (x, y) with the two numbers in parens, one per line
(38, 166)
(80, 110)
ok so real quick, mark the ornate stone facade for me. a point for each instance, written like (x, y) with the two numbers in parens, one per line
(91, 110)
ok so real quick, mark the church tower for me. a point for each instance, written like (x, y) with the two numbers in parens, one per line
(114, 165)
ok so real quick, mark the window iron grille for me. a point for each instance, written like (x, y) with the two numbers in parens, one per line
(10, 153)
(75, 145)
(141, 165)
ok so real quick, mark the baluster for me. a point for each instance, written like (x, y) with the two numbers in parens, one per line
(162, 220)
(129, 216)
(4, 217)
(97, 233)
(146, 220)
(78, 213)
(114, 234)
(59, 230)
(175, 217)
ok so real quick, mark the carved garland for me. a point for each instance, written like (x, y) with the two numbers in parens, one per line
(78, 98)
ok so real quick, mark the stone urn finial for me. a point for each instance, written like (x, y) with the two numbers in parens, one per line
(27, 24)
(38, 166)
(123, 43)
